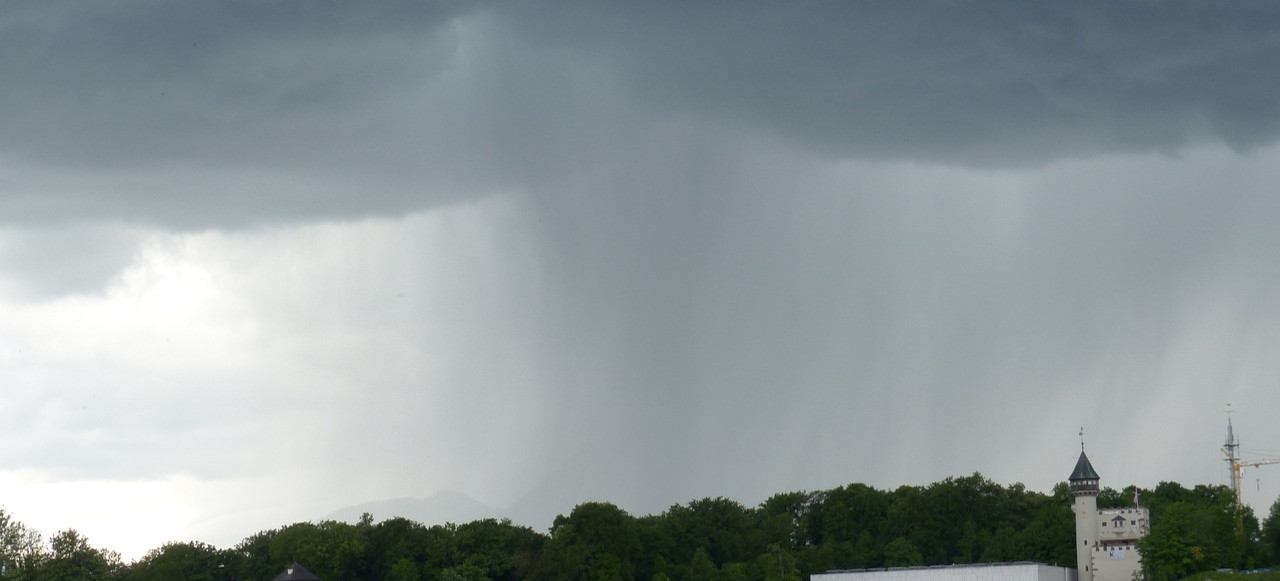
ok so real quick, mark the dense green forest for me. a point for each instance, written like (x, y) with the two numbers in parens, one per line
(958, 520)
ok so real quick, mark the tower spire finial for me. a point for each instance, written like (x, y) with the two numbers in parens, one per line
(1081, 439)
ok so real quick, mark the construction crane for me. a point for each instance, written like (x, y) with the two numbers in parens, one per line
(1232, 450)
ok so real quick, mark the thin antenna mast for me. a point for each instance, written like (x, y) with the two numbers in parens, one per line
(1232, 449)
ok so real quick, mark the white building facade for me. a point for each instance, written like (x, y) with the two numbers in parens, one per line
(1106, 540)
(975, 572)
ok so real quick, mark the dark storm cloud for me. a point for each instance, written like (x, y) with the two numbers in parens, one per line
(189, 115)
(989, 82)
(210, 114)
(116, 85)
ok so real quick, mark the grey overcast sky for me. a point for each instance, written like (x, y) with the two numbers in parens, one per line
(261, 261)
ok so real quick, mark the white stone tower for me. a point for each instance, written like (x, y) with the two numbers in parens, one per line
(1084, 487)
(1106, 539)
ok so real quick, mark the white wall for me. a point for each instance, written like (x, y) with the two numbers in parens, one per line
(983, 572)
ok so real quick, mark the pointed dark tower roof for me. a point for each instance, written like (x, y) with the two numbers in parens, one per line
(1084, 470)
(296, 572)
(1084, 479)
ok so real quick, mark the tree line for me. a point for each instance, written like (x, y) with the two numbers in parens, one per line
(791, 535)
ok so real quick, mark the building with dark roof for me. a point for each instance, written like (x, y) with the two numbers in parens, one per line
(1106, 540)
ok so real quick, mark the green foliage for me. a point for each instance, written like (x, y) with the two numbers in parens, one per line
(719, 526)
(500, 550)
(702, 568)
(463, 572)
(1002, 546)
(845, 513)
(596, 542)
(1050, 536)
(403, 570)
(777, 565)
(902, 553)
(786, 519)
(786, 538)
(1271, 534)
(734, 572)
(332, 550)
(21, 549)
(1232, 576)
(1179, 545)
(1192, 531)
(190, 561)
(74, 559)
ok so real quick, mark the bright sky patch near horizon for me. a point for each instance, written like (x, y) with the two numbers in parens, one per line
(262, 262)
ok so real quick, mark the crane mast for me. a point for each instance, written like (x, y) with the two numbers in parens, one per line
(1236, 465)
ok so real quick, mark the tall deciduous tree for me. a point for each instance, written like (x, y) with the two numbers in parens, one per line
(901, 552)
(596, 541)
(21, 549)
(193, 561)
(74, 559)
(1271, 534)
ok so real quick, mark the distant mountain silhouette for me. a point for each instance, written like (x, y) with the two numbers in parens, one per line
(441, 508)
